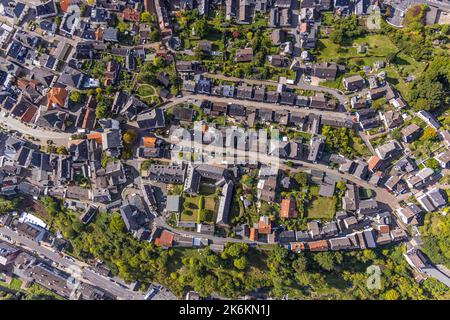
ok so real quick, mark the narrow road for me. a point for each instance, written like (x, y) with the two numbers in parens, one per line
(88, 276)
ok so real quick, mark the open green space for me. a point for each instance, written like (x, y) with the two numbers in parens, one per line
(191, 208)
(320, 207)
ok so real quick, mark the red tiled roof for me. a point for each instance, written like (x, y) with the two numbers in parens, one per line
(131, 15)
(298, 246)
(149, 142)
(384, 228)
(254, 234)
(29, 114)
(95, 136)
(373, 162)
(165, 239)
(321, 245)
(288, 209)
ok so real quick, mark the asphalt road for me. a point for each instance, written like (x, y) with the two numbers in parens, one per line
(58, 138)
(68, 265)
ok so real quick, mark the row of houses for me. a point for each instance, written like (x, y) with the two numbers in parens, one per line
(30, 269)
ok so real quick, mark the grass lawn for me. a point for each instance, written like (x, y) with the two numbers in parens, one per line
(336, 84)
(322, 208)
(145, 90)
(379, 45)
(190, 208)
(329, 51)
(210, 205)
(15, 284)
(360, 147)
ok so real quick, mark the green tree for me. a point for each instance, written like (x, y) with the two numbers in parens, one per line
(155, 36)
(116, 225)
(392, 295)
(6, 205)
(240, 263)
(201, 27)
(75, 96)
(61, 150)
(433, 164)
(129, 137)
(122, 26)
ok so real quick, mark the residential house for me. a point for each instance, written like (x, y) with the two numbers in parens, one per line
(444, 159)
(225, 203)
(392, 119)
(354, 83)
(429, 119)
(325, 71)
(389, 150)
(411, 133)
(244, 55)
(317, 246)
(421, 178)
(288, 209)
(315, 149)
(432, 200)
(409, 213)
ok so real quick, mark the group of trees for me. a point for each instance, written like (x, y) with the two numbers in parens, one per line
(435, 235)
(7, 205)
(342, 140)
(346, 29)
(414, 44)
(107, 239)
(430, 90)
(151, 19)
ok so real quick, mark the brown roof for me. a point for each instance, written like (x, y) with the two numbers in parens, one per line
(56, 96)
(374, 162)
(383, 228)
(263, 227)
(165, 239)
(254, 234)
(131, 14)
(64, 4)
(321, 245)
(89, 119)
(288, 209)
(298, 246)
(29, 114)
(149, 142)
(95, 136)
